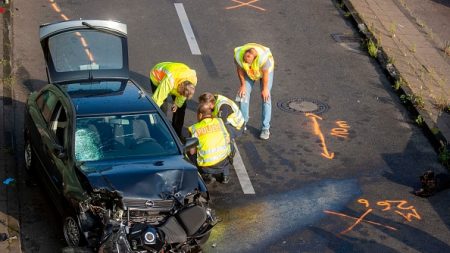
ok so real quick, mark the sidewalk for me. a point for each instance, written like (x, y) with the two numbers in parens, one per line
(413, 55)
(9, 203)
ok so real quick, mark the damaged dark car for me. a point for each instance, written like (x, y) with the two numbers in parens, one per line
(107, 155)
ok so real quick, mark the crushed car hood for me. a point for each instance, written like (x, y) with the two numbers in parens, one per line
(153, 179)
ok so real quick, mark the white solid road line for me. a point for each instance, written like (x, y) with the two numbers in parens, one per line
(241, 173)
(190, 37)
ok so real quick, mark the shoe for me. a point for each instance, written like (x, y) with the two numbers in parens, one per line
(208, 178)
(265, 133)
(245, 128)
(225, 180)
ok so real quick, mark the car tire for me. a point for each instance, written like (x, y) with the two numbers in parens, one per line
(28, 155)
(202, 240)
(72, 232)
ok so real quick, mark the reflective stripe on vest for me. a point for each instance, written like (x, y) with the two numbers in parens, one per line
(159, 72)
(175, 71)
(236, 118)
(213, 141)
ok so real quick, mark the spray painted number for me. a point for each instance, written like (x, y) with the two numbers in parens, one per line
(342, 130)
(400, 207)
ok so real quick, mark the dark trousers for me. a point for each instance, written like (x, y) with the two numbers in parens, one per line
(222, 167)
(177, 117)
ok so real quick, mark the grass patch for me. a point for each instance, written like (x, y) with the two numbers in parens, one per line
(419, 120)
(372, 48)
(446, 48)
(398, 84)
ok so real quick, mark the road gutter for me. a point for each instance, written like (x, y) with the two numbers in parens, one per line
(9, 177)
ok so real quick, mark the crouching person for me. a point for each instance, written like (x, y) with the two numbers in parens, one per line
(224, 108)
(213, 152)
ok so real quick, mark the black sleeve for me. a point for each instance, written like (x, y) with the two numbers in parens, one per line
(224, 111)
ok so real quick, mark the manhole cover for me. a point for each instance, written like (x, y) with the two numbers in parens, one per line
(303, 105)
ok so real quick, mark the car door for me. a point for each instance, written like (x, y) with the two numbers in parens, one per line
(52, 125)
(79, 50)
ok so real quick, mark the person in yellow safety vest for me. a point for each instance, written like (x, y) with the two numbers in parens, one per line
(177, 80)
(213, 152)
(226, 109)
(255, 62)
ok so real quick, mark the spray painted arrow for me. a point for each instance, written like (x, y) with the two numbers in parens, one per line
(319, 133)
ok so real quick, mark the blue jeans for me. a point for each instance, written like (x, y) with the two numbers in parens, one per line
(266, 106)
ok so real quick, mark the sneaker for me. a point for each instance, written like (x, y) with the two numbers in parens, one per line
(225, 180)
(245, 128)
(265, 133)
(208, 178)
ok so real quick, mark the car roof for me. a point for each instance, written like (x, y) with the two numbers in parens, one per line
(107, 97)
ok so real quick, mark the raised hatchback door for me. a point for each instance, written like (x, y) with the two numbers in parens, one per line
(78, 50)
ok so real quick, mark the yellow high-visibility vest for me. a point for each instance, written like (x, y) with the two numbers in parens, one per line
(213, 141)
(236, 118)
(253, 70)
(167, 76)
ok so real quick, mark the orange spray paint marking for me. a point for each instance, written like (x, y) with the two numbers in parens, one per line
(357, 221)
(411, 211)
(319, 133)
(342, 130)
(242, 4)
(355, 218)
(365, 202)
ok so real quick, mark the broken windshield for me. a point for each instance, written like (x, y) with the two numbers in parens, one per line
(122, 136)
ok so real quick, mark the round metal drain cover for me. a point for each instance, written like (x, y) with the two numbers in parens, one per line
(302, 105)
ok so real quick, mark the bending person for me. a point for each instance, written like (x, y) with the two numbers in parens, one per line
(177, 80)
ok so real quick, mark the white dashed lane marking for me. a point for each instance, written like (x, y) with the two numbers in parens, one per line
(241, 173)
(190, 37)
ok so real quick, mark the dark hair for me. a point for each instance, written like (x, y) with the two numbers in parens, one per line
(207, 97)
(204, 109)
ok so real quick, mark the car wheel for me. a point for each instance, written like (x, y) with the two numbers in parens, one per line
(72, 232)
(28, 155)
(202, 240)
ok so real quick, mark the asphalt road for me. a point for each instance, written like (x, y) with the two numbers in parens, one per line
(339, 181)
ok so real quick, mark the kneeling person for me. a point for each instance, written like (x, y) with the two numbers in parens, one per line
(213, 150)
(226, 109)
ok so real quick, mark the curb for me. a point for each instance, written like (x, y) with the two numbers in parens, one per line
(431, 130)
(12, 203)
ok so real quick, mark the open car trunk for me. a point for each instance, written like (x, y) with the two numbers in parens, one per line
(79, 50)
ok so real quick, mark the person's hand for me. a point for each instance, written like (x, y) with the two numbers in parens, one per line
(174, 108)
(265, 94)
(241, 92)
(192, 151)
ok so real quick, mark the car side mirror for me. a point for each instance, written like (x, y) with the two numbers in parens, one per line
(190, 143)
(59, 151)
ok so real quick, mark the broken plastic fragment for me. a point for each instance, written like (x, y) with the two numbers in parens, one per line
(8, 181)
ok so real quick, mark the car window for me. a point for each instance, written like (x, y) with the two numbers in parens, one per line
(46, 103)
(85, 50)
(58, 124)
(123, 136)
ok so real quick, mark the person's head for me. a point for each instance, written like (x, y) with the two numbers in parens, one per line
(186, 89)
(203, 111)
(207, 98)
(250, 55)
